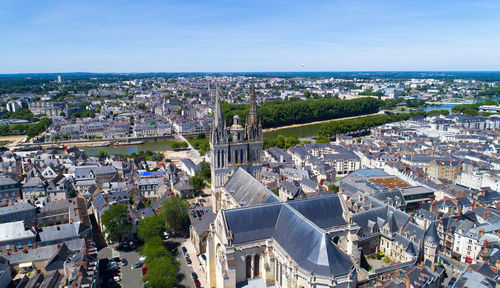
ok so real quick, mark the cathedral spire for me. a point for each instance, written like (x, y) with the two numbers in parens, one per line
(252, 126)
(253, 102)
(218, 118)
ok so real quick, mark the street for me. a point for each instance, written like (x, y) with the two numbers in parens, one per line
(130, 277)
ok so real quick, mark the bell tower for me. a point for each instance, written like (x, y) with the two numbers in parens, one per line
(253, 131)
(219, 147)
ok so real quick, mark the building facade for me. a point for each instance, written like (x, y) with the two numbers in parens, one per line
(238, 146)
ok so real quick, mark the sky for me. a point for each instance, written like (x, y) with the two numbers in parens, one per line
(248, 36)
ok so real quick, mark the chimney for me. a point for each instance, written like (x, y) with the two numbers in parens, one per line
(485, 243)
(379, 282)
(486, 213)
(408, 282)
(459, 211)
(481, 232)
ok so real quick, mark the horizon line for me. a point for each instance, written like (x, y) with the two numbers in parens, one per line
(247, 72)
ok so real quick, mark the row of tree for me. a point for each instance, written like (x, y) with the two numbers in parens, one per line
(31, 130)
(293, 111)
(179, 145)
(471, 109)
(280, 141)
(333, 128)
(22, 113)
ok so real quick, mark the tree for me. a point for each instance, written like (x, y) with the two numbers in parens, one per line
(179, 145)
(162, 272)
(117, 222)
(334, 188)
(291, 141)
(162, 267)
(151, 227)
(197, 181)
(175, 210)
(205, 170)
(142, 106)
(323, 139)
(280, 141)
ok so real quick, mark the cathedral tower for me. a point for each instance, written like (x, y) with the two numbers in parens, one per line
(219, 148)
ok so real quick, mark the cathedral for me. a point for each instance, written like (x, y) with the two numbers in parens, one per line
(236, 147)
(259, 239)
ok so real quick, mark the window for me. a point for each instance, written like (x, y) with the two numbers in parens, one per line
(7, 246)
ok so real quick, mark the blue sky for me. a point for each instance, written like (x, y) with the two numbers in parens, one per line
(237, 35)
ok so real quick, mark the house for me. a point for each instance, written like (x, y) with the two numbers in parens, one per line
(10, 191)
(151, 187)
(288, 191)
(444, 169)
(189, 167)
(15, 236)
(183, 189)
(18, 212)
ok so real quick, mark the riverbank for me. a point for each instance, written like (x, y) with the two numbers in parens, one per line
(306, 130)
(316, 122)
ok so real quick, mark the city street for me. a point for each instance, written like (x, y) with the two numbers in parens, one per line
(130, 277)
(185, 270)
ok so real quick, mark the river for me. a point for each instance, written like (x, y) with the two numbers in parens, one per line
(155, 146)
(449, 106)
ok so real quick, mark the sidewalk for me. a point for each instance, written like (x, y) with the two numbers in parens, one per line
(196, 265)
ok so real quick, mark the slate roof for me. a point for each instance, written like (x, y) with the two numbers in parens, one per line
(247, 190)
(324, 212)
(308, 245)
(254, 223)
(292, 226)
(16, 208)
(431, 235)
(11, 231)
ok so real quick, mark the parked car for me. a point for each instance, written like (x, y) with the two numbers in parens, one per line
(124, 262)
(116, 278)
(203, 257)
(194, 275)
(184, 249)
(188, 261)
(138, 265)
(197, 283)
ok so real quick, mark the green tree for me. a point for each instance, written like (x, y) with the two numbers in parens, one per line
(334, 188)
(281, 141)
(117, 222)
(151, 227)
(323, 139)
(198, 182)
(162, 272)
(175, 210)
(179, 145)
(205, 170)
(291, 141)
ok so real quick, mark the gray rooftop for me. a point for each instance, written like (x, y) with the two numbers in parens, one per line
(247, 190)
